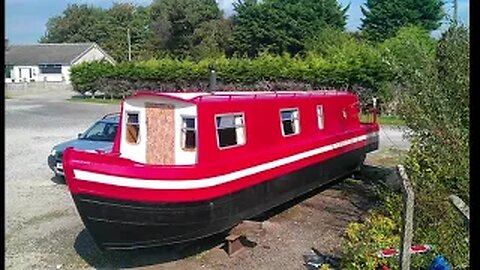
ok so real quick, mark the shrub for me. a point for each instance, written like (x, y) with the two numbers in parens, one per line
(84, 76)
(435, 106)
(406, 56)
(436, 110)
(351, 70)
(364, 240)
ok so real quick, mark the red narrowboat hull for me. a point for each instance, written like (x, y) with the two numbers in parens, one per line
(132, 208)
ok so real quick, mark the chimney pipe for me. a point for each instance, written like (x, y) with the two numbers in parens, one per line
(213, 80)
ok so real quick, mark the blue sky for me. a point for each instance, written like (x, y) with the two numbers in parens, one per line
(25, 19)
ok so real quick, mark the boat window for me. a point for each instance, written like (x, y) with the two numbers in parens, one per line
(230, 130)
(320, 116)
(290, 122)
(133, 128)
(189, 133)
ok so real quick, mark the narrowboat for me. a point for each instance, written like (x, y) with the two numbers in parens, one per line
(188, 165)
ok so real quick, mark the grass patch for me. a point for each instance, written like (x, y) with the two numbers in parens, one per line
(384, 120)
(96, 100)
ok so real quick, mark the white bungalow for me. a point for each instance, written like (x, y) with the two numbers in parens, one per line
(49, 62)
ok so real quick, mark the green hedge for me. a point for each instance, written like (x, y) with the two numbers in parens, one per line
(360, 69)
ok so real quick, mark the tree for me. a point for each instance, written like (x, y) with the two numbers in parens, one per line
(141, 34)
(78, 23)
(326, 40)
(212, 38)
(407, 55)
(179, 26)
(124, 17)
(384, 17)
(281, 26)
(119, 17)
(108, 28)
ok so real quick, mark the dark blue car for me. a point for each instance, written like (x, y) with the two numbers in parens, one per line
(100, 136)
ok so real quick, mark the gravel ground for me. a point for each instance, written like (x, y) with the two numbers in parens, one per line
(38, 210)
(44, 231)
(393, 137)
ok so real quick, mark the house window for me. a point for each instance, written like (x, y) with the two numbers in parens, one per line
(50, 68)
(230, 130)
(189, 133)
(290, 122)
(320, 116)
(8, 71)
(133, 128)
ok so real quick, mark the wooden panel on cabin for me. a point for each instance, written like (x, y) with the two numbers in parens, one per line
(160, 134)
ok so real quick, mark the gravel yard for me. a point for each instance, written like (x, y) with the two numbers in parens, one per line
(44, 231)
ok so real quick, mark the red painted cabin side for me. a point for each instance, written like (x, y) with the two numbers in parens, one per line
(226, 185)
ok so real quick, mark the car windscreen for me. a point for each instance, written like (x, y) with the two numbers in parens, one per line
(101, 131)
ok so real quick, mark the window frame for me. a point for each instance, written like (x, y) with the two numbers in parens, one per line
(9, 71)
(49, 68)
(126, 127)
(321, 125)
(297, 118)
(244, 129)
(183, 133)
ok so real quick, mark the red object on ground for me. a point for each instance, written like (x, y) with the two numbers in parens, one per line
(420, 248)
(383, 267)
(387, 253)
(413, 249)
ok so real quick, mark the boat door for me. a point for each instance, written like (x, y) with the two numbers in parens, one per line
(160, 134)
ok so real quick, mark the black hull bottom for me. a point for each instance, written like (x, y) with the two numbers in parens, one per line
(116, 224)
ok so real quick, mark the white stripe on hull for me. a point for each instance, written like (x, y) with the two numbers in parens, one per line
(211, 181)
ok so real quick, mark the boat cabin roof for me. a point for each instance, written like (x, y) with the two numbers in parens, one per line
(200, 97)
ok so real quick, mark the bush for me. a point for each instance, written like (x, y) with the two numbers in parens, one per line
(364, 240)
(352, 70)
(84, 77)
(405, 55)
(436, 222)
(327, 40)
(436, 110)
(435, 105)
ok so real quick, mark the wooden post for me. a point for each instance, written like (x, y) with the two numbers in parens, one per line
(407, 224)
(465, 210)
(460, 205)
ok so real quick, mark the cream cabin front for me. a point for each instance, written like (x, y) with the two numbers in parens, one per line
(158, 130)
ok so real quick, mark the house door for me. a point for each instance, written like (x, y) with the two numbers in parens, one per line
(25, 74)
(160, 134)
